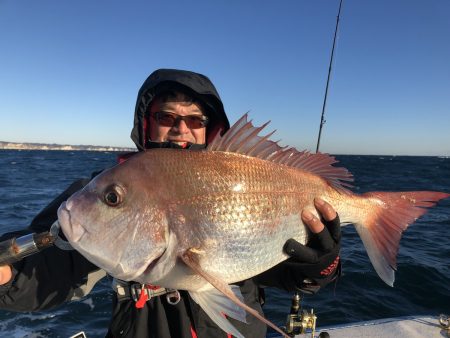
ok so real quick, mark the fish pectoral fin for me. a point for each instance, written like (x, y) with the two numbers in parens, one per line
(217, 306)
(223, 304)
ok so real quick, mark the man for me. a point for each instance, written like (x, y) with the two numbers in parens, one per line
(177, 109)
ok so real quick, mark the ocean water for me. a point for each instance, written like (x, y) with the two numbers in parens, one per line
(29, 180)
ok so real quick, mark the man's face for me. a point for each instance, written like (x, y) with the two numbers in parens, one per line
(179, 133)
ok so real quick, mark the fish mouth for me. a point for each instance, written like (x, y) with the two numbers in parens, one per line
(73, 232)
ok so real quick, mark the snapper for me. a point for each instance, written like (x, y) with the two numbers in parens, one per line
(201, 220)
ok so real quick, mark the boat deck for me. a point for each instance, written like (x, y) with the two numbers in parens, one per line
(411, 327)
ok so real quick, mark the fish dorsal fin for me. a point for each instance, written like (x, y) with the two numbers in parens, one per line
(243, 138)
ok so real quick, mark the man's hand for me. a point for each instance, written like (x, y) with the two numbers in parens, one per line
(326, 239)
(5, 274)
(310, 266)
(316, 264)
(324, 209)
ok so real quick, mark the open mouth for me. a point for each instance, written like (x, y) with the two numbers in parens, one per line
(180, 143)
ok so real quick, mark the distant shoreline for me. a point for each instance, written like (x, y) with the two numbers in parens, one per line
(66, 147)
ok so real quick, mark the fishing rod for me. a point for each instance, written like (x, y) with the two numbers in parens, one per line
(322, 117)
(17, 248)
(300, 321)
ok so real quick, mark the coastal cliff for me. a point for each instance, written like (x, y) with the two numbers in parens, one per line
(42, 146)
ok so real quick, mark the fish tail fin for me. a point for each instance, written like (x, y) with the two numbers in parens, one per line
(381, 231)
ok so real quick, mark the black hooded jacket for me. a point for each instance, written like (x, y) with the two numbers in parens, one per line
(194, 84)
(54, 276)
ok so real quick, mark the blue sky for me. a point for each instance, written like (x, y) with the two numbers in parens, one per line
(70, 70)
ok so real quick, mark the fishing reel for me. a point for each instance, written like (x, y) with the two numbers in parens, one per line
(301, 321)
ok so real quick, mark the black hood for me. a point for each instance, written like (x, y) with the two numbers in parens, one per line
(194, 84)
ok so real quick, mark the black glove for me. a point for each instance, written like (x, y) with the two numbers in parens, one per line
(316, 264)
(310, 267)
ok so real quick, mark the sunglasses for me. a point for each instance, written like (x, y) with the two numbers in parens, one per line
(169, 120)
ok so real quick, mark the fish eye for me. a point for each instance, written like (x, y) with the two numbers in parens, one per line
(113, 196)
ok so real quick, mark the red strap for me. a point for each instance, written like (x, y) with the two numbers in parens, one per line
(193, 334)
(143, 297)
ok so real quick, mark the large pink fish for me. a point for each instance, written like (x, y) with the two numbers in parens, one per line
(201, 220)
